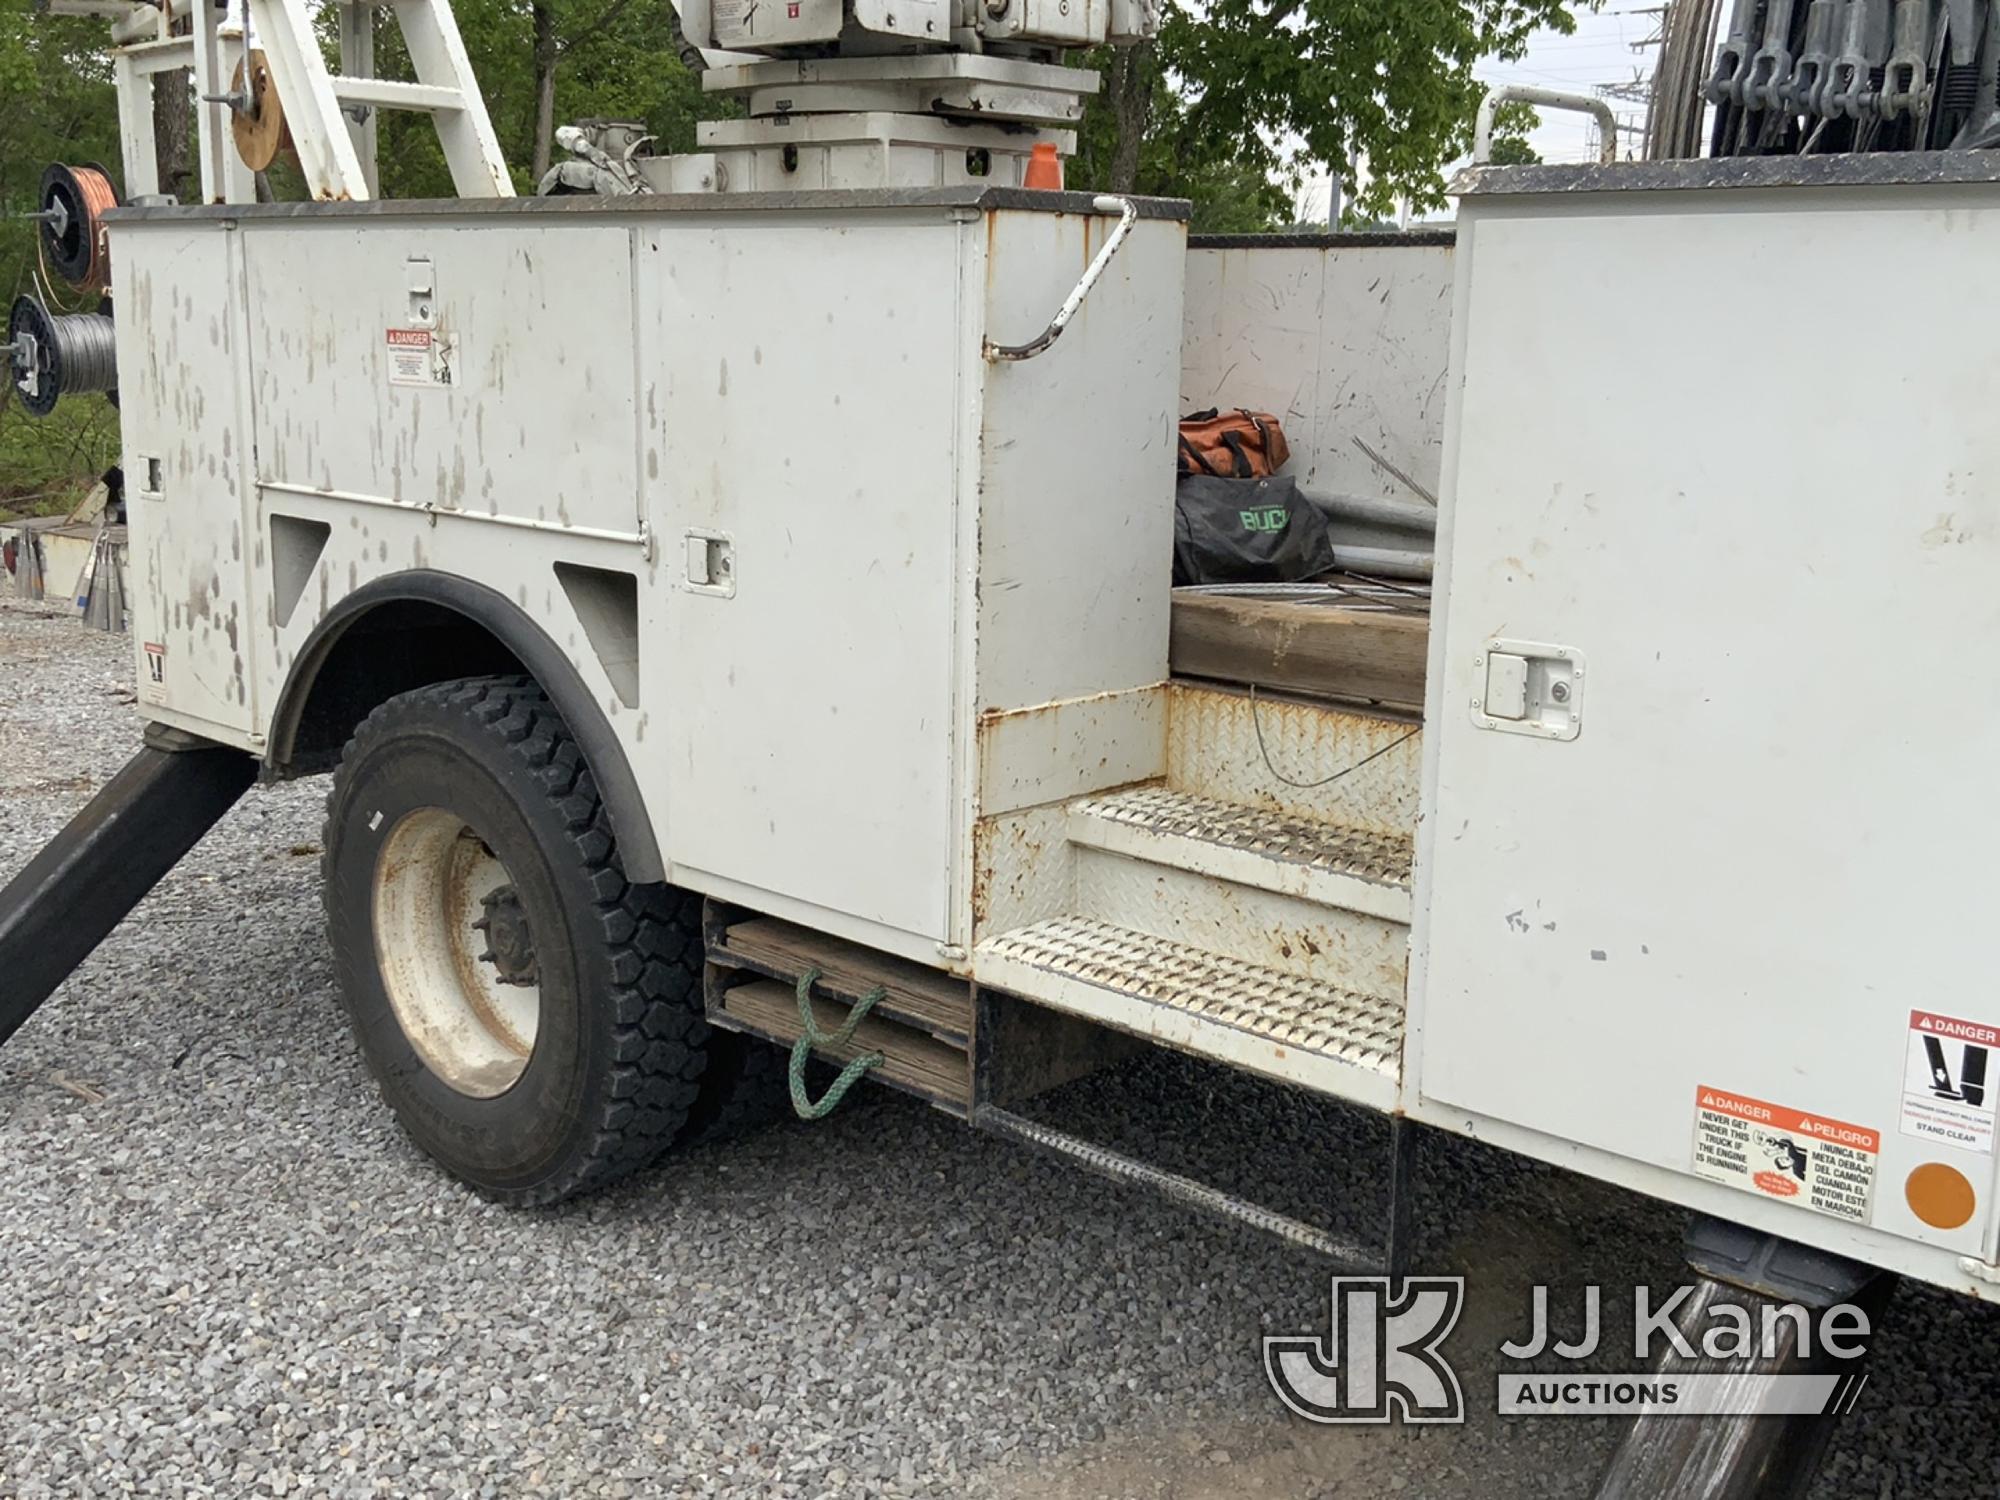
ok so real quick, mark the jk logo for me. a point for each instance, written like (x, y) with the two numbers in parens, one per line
(1380, 1358)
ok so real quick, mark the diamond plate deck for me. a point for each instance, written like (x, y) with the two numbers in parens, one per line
(1293, 1027)
(1380, 857)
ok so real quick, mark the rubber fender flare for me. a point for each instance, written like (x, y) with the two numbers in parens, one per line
(509, 625)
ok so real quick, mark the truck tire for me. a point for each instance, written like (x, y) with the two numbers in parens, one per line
(745, 1090)
(533, 1018)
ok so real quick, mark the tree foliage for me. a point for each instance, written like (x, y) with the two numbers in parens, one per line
(1166, 159)
(610, 59)
(57, 83)
(1513, 123)
(1271, 89)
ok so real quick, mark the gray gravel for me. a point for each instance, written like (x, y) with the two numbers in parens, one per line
(224, 1272)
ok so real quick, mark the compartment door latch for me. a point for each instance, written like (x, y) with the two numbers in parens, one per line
(1524, 687)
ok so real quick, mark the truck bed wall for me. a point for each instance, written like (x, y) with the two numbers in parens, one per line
(575, 407)
(1341, 336)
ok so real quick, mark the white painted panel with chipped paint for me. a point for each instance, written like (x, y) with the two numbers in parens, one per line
(849, 533)
(1773, 838)
(480, 369)
(186, 460)
(809, 710)
(1076, 528)
(1342, 337)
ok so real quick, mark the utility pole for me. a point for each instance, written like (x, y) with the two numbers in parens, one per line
(1638, 89)
(1336, 187)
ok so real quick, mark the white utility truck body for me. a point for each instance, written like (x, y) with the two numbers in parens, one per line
(733, 612)
(843, 590)
(881, 626)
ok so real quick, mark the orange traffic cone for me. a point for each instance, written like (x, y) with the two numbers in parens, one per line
(1045, 169)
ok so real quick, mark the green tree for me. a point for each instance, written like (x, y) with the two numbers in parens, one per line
(1273, 88)
(543, 63)
(1512, 125)
(1162, 156)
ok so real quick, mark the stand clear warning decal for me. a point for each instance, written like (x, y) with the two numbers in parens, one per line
(1786, 1154)
(153, 685)
(1948, 1083)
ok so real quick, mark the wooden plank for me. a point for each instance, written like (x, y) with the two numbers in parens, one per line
(917, 995)
(1301, 648)
(912, 1060)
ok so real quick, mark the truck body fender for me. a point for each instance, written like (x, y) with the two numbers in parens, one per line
(511, 641)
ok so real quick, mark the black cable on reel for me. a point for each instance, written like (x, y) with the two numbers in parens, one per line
(51, 356)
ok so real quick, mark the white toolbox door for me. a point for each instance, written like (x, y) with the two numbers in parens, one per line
(1759, 829)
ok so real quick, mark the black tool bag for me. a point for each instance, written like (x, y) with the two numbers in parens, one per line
(1247, 531)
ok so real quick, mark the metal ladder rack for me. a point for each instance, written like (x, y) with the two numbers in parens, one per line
(331, 116)
(332, 149)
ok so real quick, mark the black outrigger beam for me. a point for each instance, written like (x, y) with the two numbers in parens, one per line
(1747, 1456)
(118, 848)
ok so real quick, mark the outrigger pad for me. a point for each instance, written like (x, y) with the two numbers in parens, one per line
(1779, 1269)
(84, 881)
(1746, 1456)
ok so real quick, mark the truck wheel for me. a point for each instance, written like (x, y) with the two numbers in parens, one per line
(533, 1018)
(746, 1089)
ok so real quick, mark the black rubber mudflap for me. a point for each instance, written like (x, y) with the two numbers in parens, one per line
(96, 870)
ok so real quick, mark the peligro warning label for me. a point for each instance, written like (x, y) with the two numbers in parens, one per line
(1786, 1154)
(1946, 1095)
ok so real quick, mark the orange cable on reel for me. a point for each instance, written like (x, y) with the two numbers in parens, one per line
(74, 201)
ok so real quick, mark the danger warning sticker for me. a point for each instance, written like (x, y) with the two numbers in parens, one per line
(418, 356)
(1786, 1154)
(1946, 1093)
(153, 685)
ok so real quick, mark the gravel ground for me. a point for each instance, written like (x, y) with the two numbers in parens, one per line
(226, 1272)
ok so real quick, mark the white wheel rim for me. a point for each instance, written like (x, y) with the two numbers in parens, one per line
(472, 1029)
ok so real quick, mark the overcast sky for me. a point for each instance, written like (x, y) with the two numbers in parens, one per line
(1604, 49)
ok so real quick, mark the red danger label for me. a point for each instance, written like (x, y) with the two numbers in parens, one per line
(1950, 1082)
(1792, 1121)
(1957, 1031)
(415, 357)
(1791, 1155)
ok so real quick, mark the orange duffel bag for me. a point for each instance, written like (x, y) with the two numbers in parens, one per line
(1241, 444)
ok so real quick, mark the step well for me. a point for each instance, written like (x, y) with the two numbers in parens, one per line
(1321, 943)
(1362, 770)
(1282, 1025)
(1330, 864)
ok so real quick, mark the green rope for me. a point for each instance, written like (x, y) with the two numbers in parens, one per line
(811, 1037)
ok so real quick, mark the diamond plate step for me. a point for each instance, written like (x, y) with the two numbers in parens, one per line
(1281, 1025)
(1351, 868)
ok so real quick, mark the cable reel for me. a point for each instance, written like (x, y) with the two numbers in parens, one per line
(52, 355)
(73, 203)
(257, 114)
